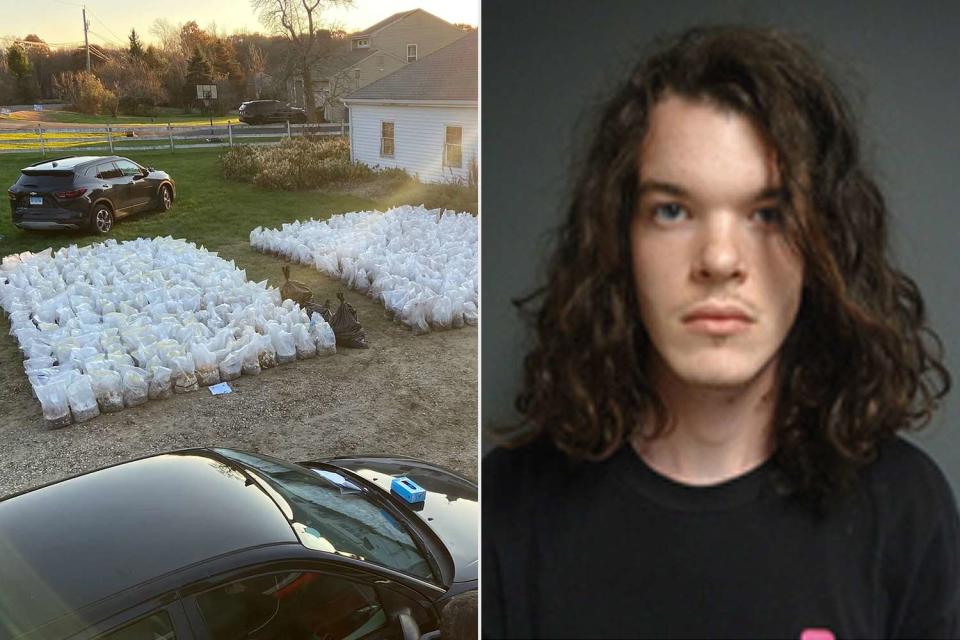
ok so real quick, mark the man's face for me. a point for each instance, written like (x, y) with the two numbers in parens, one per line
(718, 285)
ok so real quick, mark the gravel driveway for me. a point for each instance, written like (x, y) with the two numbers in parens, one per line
(407, 395)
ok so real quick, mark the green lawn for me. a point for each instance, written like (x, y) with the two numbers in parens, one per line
(174, 116)
(219, 214)
(209, 211)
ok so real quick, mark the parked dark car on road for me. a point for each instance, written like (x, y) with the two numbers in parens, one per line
(263, 111)
(90, 192)
(218, 543)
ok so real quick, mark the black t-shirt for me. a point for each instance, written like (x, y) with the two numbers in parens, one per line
(614, 549)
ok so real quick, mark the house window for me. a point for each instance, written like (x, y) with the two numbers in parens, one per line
(386, 139)
(453, 147)
(361, 44)
(411, 53)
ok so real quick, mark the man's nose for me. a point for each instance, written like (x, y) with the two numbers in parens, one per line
(719, 254)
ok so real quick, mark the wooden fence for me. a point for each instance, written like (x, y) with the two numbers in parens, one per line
(115, 139)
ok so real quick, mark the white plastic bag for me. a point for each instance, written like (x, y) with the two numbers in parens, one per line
(208, 372)
(108, 389)
(184, 374)
(231, 366)
(304, 344)
(251, 357)
(323, 336)
(284, 344)
(56, 407)
(83, 402)
(161, 385)
(135, 386)
(266, 352)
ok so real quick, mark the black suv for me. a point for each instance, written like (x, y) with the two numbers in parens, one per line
(261, 111)
(86, 192)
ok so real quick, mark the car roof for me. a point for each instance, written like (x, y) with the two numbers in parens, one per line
(73, 542)
(70, 162)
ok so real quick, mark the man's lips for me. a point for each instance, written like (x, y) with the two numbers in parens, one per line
(718, 319)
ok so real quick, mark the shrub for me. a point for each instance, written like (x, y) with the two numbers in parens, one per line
(314, 162)
(84, 92)
(295, 164)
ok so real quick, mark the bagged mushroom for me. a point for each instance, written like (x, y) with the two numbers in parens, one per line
(232, 365)
(284, 344)
(266, 352)
(305, 346)
(82, 400)
(161, 384)
(135, 386)
(207, 370)
(251, 358)
(108, 389)
(184, 374)
(323, 336)
(54, 403)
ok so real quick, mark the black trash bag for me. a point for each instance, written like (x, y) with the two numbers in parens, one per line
(294, 290)
(346, 327)
(323, 309)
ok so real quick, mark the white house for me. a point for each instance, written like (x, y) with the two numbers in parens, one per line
(422, 118)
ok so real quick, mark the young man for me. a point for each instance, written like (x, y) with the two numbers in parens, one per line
(724, 359)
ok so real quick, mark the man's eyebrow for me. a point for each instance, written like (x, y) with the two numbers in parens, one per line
(664, 187)
(767, 193)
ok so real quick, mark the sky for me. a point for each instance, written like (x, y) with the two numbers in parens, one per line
(60, 22)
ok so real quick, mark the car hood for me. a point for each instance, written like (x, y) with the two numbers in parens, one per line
(451, 507)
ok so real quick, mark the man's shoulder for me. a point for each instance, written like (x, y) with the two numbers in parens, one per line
(900, 460)
(538, 459)
(907, 481)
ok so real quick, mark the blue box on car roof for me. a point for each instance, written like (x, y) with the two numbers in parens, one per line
(408, 490)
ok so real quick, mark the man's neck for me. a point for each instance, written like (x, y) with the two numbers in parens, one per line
(717, 434)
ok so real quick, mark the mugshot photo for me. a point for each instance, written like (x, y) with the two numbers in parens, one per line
(718, 261)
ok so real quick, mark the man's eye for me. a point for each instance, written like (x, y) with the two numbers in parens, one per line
(669, 212)
(772, 216)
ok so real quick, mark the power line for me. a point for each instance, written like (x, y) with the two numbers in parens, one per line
(105, 26)
(107, 40)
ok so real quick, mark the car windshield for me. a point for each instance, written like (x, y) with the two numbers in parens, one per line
(329, 512)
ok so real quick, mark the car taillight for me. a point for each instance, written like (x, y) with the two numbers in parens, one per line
(67, 195)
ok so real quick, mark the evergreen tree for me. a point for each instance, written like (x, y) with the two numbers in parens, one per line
(198, 72)
(136, 47)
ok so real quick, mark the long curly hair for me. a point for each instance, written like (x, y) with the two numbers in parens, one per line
(860, 362)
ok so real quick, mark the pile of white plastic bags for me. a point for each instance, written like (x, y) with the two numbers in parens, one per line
(422, 264)
(113, 325)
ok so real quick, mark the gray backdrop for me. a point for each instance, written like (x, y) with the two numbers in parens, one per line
(547, 65)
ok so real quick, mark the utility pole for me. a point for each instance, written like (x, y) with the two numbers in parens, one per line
(86, 40)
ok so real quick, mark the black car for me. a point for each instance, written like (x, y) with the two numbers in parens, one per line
(263, 111)
(218, 543)
(89, 192)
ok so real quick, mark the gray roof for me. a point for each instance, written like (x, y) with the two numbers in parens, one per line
(341, 60)
(383, 23)
(446, 74)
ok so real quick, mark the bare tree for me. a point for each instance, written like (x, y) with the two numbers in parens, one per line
(300, 22)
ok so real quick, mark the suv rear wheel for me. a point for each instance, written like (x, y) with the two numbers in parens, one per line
(101, 219)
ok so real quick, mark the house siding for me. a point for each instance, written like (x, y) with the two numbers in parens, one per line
(428, 32)
(418, 138)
